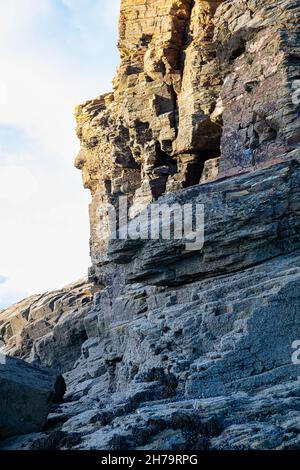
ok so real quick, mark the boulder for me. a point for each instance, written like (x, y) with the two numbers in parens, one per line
(27, 394)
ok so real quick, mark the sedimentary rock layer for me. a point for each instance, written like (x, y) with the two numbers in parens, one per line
(49, 328)
(203, 359)
(205, 89)
(175, 349)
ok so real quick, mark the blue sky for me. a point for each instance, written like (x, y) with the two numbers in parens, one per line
(54, 55)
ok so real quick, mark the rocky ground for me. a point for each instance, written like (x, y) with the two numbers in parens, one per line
(164, 348)
(201, 360)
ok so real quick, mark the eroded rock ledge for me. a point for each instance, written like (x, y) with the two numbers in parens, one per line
(192, 352)
(205, 89)
(27, 393)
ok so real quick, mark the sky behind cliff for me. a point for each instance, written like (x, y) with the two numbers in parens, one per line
(54, 54)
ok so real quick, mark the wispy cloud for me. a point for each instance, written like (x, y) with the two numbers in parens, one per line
(54, 54)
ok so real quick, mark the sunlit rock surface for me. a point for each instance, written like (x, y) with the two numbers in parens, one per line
(198, 80)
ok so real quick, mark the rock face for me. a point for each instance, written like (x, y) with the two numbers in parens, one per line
(259, 46)
(49, 328)
(170, 348)
(194, 350)
(197, 80)
(27, 394)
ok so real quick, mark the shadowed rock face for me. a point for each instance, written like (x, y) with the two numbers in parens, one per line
(258, 45)
(184, 350)
(49, 328)
(194, 351)
(198, 80)
(27, 394)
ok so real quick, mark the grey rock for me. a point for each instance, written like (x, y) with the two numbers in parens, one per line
(203, 363)
(27, 395)
(49, 328)
(177, 349)
(248, 220)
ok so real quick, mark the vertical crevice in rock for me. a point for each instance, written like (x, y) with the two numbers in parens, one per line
(199, 129)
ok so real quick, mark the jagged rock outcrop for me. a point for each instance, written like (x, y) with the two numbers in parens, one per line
(259, 46)
(198, 80)
(27, 394)
(49, 328)
(169, 348)
(201, 359)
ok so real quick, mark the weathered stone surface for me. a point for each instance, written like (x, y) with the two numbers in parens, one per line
(258, 45)
(27, 394)
(210, 170)
(154, 132)
(49, 328)
(248, 220)
(202, 360)
(198, 79)
(177, 349)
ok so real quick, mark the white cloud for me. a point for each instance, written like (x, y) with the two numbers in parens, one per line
(17, 184)
(3, 93)
(51, 60)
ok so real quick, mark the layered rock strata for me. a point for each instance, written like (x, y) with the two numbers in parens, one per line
(194, 350)
(49, 328)
(198, 80)
(27, 394)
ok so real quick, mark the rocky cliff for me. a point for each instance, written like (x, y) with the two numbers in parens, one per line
(164, 348)
(205, 89)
